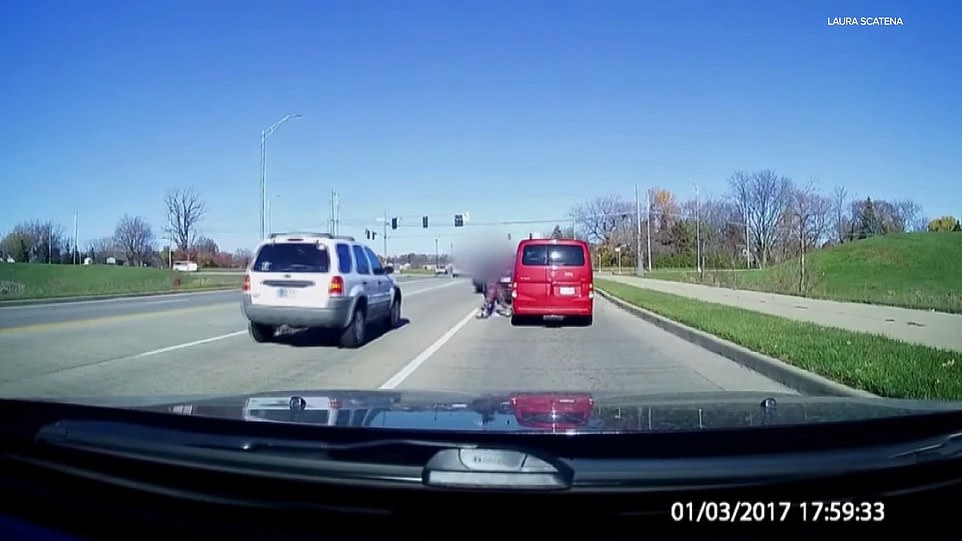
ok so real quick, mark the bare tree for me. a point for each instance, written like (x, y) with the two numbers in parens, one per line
(242, 257)
(808, 217)
(599, 218)
(763, 197)
(185, 210)
(102, 248)
(135, 238)
(840, 203)
(910, 215)
(35, 241)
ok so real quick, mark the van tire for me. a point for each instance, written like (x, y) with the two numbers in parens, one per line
(354, 335)
(260, 333)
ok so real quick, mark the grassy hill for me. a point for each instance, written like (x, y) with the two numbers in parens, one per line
(914, 270)
(36, 280)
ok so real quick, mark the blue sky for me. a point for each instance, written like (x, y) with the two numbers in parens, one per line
(507, 110)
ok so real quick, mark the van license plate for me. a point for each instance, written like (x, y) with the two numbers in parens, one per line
(567, 291)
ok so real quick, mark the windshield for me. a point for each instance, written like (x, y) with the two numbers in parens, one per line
(531, 217)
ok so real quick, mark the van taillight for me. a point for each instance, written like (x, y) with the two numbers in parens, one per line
(246, 286)
(336, 289)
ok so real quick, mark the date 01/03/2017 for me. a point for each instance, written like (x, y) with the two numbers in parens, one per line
(778, 511)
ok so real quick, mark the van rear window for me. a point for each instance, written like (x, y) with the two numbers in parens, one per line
(561, 255)
(293, 257)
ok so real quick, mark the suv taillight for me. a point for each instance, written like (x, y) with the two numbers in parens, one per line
(246, 286)
(336, 289)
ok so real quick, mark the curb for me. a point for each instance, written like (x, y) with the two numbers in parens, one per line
(800, 380)
(68, 300)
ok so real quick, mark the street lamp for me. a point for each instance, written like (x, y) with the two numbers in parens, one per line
(264, 135)
(437, 255)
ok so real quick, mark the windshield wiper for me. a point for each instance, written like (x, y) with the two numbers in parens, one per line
(460, 464)
(432, 462)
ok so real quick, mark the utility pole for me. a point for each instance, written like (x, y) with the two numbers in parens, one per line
(331, 203)
(437, 255)
(697, 232)
(76, 252)
(385, 235)
(639, 268)
(648, 199)
(748, 249)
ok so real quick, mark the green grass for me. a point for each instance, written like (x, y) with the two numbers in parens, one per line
(413, 271)
(39, 281)
(872, 363)
(912, 270)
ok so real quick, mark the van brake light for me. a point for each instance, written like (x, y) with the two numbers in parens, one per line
(336, 289)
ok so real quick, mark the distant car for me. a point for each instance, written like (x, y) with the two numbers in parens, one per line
(319, 280)
(552, 277)
(185, 266)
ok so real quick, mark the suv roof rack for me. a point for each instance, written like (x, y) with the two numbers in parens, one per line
(312, 234)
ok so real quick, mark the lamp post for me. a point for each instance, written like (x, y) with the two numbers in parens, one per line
(264, 135)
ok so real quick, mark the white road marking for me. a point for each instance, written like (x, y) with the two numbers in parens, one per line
(151, 298)
(415, 363)
(425, 290)
(182, 346)
(238, 333)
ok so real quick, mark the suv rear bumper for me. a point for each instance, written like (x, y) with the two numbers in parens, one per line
(335, 316)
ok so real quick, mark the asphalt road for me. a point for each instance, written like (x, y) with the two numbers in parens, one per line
(198, 343)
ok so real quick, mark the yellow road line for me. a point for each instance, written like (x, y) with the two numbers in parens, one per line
(94, 321)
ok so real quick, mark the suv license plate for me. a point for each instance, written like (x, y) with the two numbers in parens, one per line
(284, 293)
(567, 291)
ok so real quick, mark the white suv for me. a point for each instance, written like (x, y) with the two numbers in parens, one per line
(318, 280)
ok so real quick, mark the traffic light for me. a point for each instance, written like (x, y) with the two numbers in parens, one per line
(367, 233)
(424, 222)
(373, 235)
(458, 220)
(393, 223)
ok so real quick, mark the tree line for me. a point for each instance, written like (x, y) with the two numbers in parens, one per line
(764, 218)
(134, 241)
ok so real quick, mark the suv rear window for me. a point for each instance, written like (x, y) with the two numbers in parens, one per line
(293, 257)
(562, 255)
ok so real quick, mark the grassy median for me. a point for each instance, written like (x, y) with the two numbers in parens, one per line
(40, 281)
(872, 363)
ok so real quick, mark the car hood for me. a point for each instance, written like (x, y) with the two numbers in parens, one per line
(540, 411)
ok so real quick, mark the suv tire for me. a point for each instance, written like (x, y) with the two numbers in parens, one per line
(394, 315)
(260, 333)
(354, 335)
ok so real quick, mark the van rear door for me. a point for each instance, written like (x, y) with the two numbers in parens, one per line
(531, 273)
(569, 273)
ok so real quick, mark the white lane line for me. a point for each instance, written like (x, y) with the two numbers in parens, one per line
(425, 290)
(232, 334)
(182, 346)
(169, 301)
(149, 298)
(415, 363)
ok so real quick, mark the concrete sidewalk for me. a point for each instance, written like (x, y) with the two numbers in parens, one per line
(936, 329)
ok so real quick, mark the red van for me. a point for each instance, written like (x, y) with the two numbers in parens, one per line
(552, 277)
